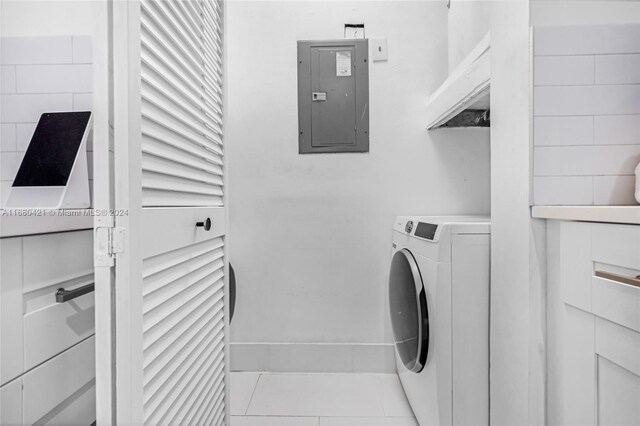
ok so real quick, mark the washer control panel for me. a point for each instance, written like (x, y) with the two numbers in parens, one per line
(426, 230)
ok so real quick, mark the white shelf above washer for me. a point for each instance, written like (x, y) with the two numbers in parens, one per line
(466, 88)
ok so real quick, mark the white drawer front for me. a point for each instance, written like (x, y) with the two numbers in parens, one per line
(81, 410)
(616, 245)
(54, 328)
(56, 258)
(616, 301)
(59, 383)
(619, 345)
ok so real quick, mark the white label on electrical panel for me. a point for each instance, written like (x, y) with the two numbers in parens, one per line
(343, 64)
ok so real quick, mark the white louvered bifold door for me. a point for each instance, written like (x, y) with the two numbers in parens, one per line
(171, 292)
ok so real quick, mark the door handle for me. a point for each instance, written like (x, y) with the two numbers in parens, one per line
(63, 295)
(206, 224)
(634, 281)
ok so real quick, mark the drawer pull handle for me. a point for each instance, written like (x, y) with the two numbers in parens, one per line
(634, 281)
(206, 224)
(63, 295)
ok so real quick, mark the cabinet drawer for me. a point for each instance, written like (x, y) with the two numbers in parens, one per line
(33, 327)
(616, 245)
(619, 345)
(587, 248)
(52, 259)
(616, 301)
(57, 326)
(81, 410)
(63, 386)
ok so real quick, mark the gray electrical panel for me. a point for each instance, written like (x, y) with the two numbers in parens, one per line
(333, 96)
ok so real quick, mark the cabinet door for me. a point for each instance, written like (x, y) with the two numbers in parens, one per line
(618, 395)
(618, 374)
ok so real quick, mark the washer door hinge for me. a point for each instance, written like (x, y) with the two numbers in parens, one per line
(109, 241)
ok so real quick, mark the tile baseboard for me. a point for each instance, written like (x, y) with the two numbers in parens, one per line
(313, 357)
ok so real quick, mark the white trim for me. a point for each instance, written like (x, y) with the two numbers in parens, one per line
(103, 199)
(128, 298)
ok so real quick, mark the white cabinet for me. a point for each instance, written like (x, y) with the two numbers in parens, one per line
(47, 349)
(597, 321)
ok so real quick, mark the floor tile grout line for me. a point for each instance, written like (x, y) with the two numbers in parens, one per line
(379, 397)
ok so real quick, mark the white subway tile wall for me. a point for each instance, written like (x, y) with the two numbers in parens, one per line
(39, 74)
(586, 107)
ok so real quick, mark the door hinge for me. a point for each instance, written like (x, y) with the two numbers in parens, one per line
(109, 241)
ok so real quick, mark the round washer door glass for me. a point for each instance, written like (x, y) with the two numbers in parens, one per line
(408, 307)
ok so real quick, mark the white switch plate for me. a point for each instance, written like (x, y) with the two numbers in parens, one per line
(379, 51)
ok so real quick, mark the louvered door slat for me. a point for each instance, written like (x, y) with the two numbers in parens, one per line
(161, 133)
(167, 95)
(164, 151)
(173, 168)
(163, 367)
(170, 71)
(164, 29)
(183, 291)
(171, 370)
(183, 24)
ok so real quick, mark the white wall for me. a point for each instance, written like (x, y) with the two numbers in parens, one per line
(47, 18)
(468, 22)
(311, 235)
(517, 270)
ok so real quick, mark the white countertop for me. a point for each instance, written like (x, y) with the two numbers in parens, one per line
(608, 214)
(44, 222)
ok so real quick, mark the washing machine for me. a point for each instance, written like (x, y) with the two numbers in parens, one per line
(439, 309)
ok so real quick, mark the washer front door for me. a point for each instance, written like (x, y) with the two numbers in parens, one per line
(408, 308)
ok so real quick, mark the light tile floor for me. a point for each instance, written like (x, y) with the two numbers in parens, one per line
(292, 399)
